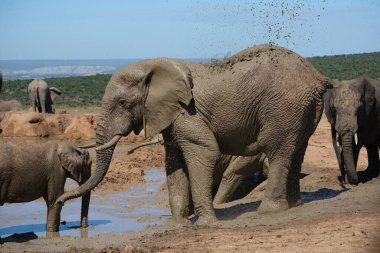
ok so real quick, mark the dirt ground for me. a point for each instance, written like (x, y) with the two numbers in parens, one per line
(331, 219)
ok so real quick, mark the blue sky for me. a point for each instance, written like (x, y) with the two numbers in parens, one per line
(110, 29)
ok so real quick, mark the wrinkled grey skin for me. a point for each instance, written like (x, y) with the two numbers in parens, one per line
(353, 107)
(241, 175)
(42, 97)
(234, 176)
(271, 105)
(30, 171)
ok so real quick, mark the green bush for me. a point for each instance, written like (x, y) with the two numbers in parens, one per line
(344, 67)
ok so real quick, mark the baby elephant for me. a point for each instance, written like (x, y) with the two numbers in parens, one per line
(29, 171)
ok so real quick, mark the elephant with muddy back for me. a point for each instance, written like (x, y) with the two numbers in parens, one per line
(352, 108)
(34, 170)
(265, 99)
(42, 96)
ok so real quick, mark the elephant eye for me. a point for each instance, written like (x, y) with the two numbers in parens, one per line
(122, 102)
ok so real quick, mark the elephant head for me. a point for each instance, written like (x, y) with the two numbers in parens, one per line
(149, 94)
(349, 106)
(77, 164)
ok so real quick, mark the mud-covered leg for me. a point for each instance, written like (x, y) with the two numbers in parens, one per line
(200, 167)
(239, 169)
(373, 169)
(293, 185)
(178, 185)
(53, 217)
(200, 151)
(276, 188)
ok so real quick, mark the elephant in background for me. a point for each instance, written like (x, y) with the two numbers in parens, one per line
(265, 99)
(235, 176)
(30, 171)
(42, 96)
(352, 108)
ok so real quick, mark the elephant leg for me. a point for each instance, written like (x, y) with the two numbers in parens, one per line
(201, 163)
(4, 185)
(178, 185)
(275, 197)
(34, 106)
(293, 185)
(239, 169)
(43, 104)
(53, 217)
(200, 151)
(373, 169)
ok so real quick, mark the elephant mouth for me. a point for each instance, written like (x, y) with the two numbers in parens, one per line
(338, 139)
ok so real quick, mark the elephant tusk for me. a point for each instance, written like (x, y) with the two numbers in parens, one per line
(356, 138)
(109, 144)
(337, 139)
(159, 140)
(91, 145)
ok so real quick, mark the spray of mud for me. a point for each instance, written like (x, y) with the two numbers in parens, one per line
(230, 24)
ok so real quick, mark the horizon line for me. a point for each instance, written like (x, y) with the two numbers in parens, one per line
(143, 58)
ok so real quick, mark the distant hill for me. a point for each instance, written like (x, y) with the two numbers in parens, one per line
(349, 66)
(87, 89)
(29, 69)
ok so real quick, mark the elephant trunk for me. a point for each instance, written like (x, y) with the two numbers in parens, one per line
(84, 210)
(348, 157)
(103, 160)
(86, 197)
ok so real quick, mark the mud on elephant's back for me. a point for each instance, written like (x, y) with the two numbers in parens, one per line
(60, 126)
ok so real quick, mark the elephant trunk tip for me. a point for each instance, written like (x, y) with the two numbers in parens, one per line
(67, 196)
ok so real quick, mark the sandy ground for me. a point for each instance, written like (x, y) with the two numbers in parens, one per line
(332, 218)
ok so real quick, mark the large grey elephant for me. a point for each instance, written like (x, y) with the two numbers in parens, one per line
(42, 96)
(353, 109)
(265, 99)
(34, 170)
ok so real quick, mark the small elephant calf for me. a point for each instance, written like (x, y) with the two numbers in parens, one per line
(30, 171)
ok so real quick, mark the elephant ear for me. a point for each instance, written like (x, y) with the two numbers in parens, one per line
(71, 160)
(327, 102)
(369, 96)
(168, 84)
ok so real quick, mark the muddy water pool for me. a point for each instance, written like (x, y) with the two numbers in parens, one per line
(131, 209)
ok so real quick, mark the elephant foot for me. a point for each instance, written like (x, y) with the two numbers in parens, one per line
(272, 206)
(50, 235)
(206, 221)
(298, 202)
(181, 221)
